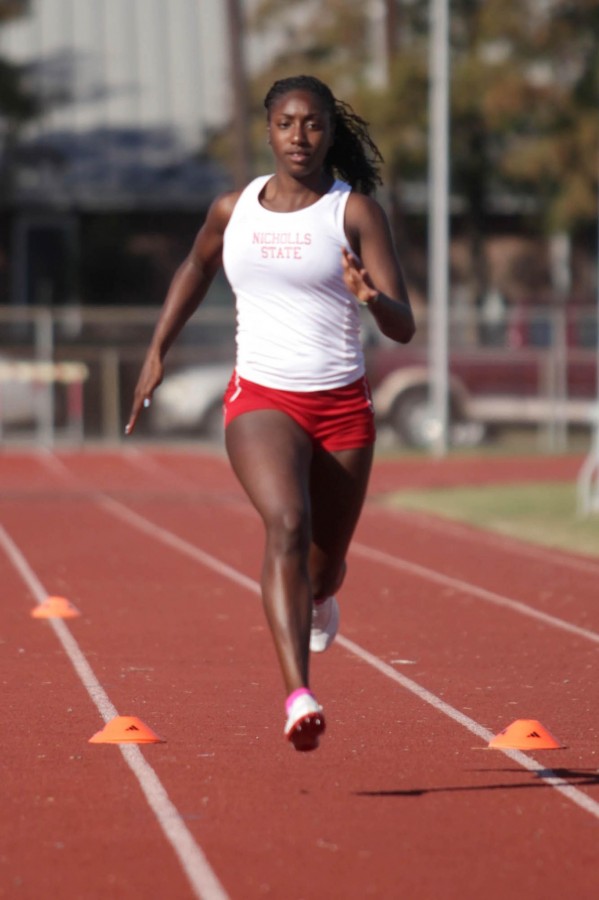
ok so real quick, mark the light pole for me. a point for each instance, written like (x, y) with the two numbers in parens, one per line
(241, 118)
(438, 270)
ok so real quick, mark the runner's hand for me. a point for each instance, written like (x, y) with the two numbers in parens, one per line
(357, 279)
(150, 377)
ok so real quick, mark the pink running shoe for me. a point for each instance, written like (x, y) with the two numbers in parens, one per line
(305, 723)
(325, 624)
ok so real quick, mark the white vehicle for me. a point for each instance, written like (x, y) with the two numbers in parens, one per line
(43, 394)
(192, 400)
(18, 402)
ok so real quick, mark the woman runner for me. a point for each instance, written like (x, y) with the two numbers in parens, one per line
(301, 248)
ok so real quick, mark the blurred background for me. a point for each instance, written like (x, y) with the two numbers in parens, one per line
(120, 120)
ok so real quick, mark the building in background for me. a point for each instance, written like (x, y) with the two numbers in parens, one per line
(126, 92)
(139, 63)
(126, 89)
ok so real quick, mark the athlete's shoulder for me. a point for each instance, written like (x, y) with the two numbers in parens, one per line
(220, 211)
(362, 209)
(362, 204)
(365, 219)
(222, 206)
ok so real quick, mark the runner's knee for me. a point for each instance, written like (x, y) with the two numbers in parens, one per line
(288, 532)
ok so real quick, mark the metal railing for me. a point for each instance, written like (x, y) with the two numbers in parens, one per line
(105, 347)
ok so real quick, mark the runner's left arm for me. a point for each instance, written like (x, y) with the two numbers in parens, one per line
(373, 272)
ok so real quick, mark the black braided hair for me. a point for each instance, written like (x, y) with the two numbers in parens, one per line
(353, 156)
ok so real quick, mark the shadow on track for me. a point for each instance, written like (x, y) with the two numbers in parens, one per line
(539, 779)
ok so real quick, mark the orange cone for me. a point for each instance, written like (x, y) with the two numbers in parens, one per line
(525, 734)
(55, 608)
(126, 730)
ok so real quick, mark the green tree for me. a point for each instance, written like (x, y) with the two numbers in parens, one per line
(524, 98)
(547, 113)
(13, 9)
(18, 103)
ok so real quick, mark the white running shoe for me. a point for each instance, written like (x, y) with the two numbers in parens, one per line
(305, 723)
(325, 624)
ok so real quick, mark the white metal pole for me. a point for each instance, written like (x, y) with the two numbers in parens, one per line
(587, 483)
(163, 43)
(438, 270)
(238, 76)
(130, 25)
(379, 66)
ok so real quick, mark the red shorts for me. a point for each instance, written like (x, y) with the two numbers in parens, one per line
(336, 419)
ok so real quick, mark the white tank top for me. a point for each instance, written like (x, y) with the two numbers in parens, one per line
(298, 326)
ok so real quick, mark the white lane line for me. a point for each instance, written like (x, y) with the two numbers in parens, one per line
(560, 784)
(159, 533)
(202, 878)
(23, 567)
(424, 572)
(381, 556)
(428, 521)
(458, 584)
(177, 543)
(134, 456)
(553, 556)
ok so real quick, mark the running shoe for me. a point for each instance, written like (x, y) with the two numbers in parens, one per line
(325, 623)
(305, 723)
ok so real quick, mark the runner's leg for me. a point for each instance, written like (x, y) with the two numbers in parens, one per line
(338, 484)
(271, 456)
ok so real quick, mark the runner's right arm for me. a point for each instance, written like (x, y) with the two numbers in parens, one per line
(187, 290)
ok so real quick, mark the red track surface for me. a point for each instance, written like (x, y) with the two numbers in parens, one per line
(448, 635)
